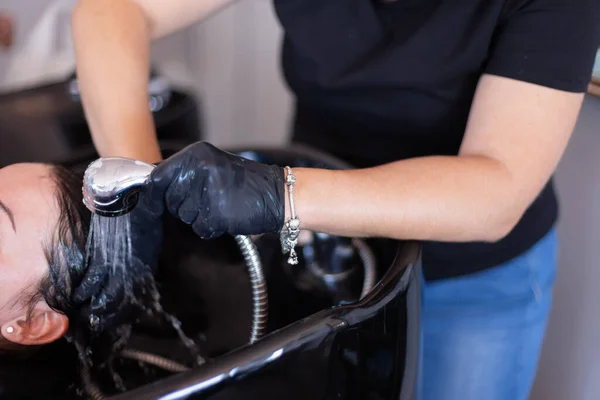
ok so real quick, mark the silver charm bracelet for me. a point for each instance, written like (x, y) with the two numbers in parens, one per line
(289, 235)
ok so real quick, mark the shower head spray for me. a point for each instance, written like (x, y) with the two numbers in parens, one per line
(111, 185)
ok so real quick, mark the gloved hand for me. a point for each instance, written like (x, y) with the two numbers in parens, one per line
(217, 192)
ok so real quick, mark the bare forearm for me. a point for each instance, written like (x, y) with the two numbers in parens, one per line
(428, 198)
(515, 137)
(111, 40)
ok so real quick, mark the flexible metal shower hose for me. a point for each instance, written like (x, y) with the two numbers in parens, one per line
(260, 302)
(153, 359)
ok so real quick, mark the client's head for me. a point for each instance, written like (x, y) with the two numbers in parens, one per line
(33, 216)
(49, 286)
(44, 227)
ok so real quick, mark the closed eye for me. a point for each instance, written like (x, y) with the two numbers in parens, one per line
(10, 215)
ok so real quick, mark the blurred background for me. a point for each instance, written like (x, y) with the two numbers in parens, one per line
(230, 63)
(221, 81)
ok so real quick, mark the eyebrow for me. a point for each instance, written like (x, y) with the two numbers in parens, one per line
(9, 214)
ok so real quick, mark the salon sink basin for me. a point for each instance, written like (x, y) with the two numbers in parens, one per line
(323, 341)
(326, 338)
(363, 350)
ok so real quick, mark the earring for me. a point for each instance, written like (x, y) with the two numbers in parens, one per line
(10, 329)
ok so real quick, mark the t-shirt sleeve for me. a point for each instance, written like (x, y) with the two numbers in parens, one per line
(547, 42)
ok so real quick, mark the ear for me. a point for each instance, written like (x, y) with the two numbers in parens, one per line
(44, 326)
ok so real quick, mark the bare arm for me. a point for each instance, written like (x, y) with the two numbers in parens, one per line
(112, 40)
(515, 137)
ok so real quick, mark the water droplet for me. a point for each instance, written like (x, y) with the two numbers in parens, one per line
(94, 321)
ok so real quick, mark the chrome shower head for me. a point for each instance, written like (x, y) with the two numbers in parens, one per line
(111, 185)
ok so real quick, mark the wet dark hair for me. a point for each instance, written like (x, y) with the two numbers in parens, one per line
(82, 361)
(66, 253)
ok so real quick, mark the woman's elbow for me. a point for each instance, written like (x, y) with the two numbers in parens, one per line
(89, 17)
(499, 224)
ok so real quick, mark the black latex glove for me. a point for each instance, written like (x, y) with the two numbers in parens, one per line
(218, 192)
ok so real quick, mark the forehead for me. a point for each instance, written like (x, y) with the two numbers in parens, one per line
(29, 192)
(18, 179)
(29, 172)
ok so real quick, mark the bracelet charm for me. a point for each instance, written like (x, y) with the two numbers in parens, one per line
(291, 231)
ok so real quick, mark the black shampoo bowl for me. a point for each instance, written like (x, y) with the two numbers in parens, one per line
(367, 350)
(316, 348)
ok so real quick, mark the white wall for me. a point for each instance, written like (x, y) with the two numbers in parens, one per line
(240, 80)
(42, 48)
(29, 60)
(570, 363)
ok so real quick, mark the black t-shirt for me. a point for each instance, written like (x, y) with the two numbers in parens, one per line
(377, 82)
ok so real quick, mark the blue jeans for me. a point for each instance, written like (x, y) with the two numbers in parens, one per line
(482, 333)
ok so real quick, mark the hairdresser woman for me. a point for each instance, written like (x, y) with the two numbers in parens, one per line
(456, 114)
